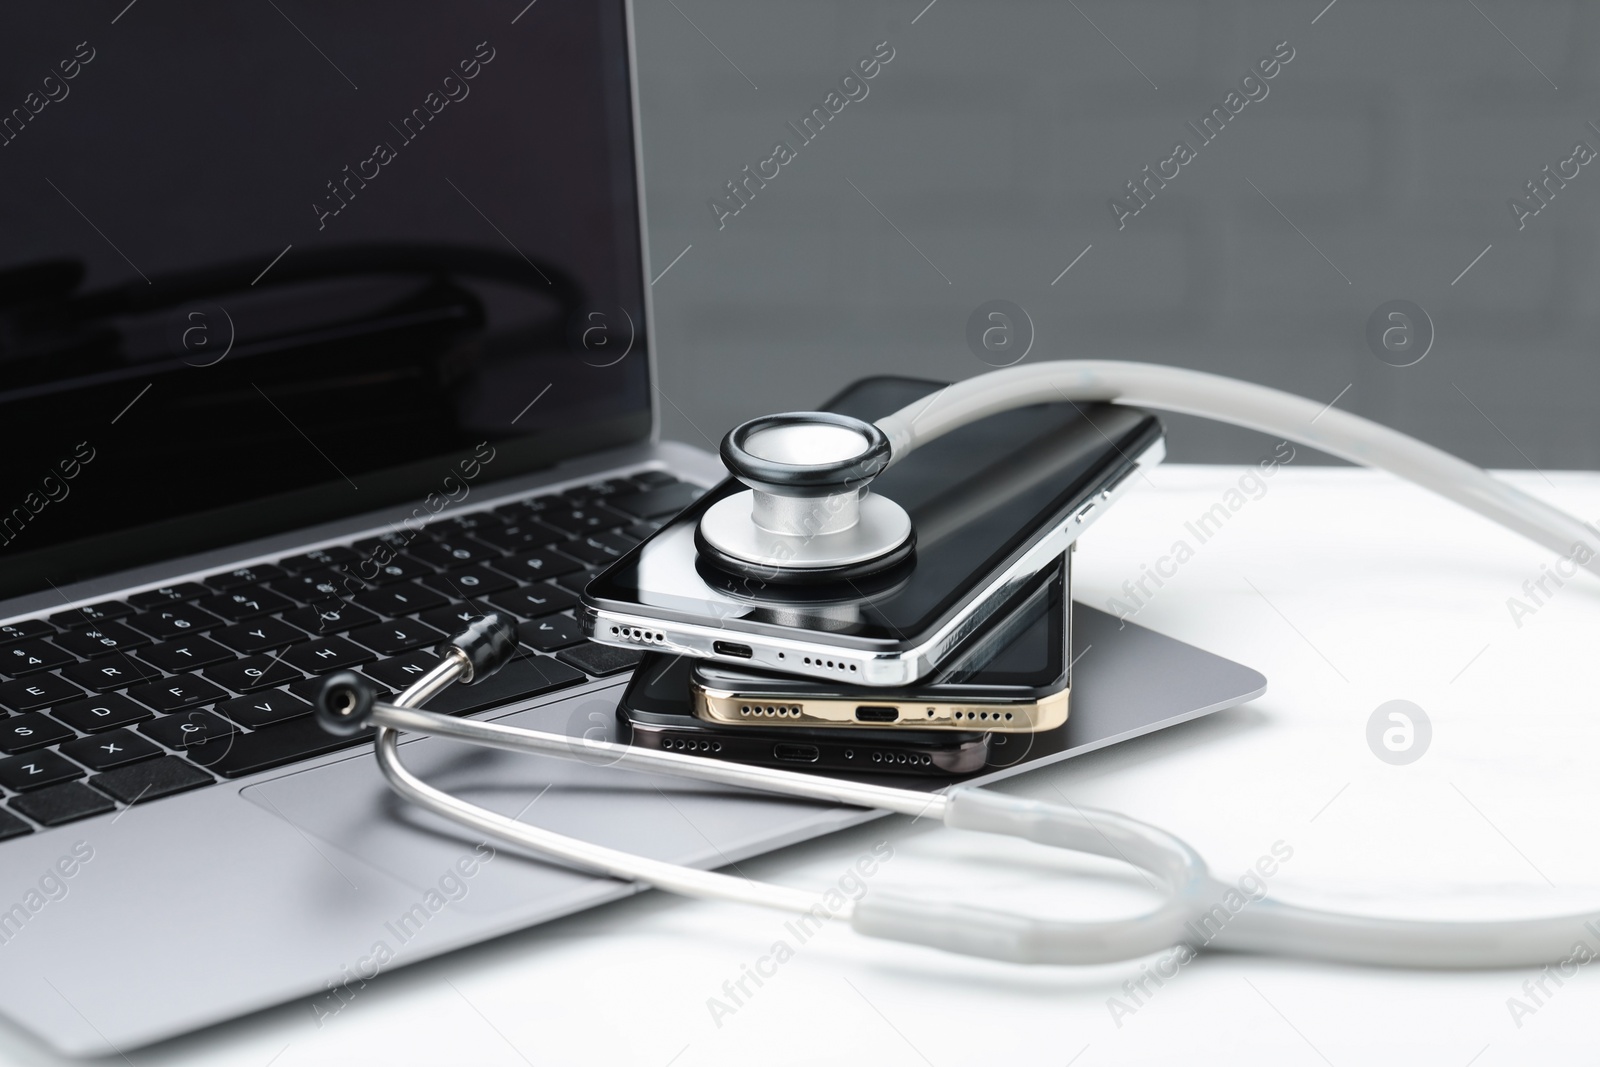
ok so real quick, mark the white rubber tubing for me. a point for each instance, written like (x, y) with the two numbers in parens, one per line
(1195, 909)
(1253, 407)
(1198, 910)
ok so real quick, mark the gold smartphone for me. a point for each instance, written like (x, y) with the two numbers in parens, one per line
(1015, 679)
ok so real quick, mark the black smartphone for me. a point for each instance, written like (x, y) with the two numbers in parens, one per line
(1012, 678)
(656, 712)
(993, 504)
(1020, 657)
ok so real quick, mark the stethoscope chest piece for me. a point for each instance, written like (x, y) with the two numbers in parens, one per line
(808, 515)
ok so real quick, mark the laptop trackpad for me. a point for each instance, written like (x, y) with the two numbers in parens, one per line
(349, 805)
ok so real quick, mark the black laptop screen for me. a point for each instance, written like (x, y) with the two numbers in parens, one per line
(266, 264)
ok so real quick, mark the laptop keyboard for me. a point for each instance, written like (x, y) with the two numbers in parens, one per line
(172, 689)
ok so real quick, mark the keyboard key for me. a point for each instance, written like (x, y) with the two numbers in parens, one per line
(352, 577)
(327, 654)
(576, 497)
(618, 540)
(23, 629)
(22, 733)
(101, 639)
(593, 551)
(91, 613)
(453, 619)
(260, 635)
(180, 656)
(264, 709)
(100, 713)
(626, 538)
(527, 506)
(406, 599)
(613, 485)
(178, 692)
(392, 638)
(112, 672)
(41, 692)
(168, 594)
(464, 524)
(517, 510)
(150, 780)
(524, 676)
(600, 659)
(592, 518)
(27, 657)
(174, 620)
(534, 601)
(319, 558)
(522, 534)
(658, 503)
(537, 565)
(192, 729)
(638, 531)
(652, 479)
(450, 553)
(254, 574)
(328, 617)
(254, 672)
(577, 583)
(313, 586)
(11, 826)
(550, 633)
(245, 602)
(398, 672)
(399, 569)
(36, 770)
(390, 543)
(468, 582)
(272, 747)
(61, 804)
(116, 748)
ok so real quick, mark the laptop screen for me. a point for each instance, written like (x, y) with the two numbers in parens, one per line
(268, 264)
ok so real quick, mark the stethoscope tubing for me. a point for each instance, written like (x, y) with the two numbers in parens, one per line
(917, 916)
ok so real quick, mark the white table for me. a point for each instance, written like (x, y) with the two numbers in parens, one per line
(1347, 589)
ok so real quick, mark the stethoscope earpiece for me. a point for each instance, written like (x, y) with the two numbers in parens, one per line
(807, 515)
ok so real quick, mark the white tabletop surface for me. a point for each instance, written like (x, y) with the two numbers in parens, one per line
(1347, 589)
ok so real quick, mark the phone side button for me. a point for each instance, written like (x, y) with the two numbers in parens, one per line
(1116, 483)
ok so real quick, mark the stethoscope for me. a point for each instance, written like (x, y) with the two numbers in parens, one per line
(808, 511)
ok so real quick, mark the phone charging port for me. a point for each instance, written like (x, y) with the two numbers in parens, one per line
(876, 713)
(728, 648)
(791, 753)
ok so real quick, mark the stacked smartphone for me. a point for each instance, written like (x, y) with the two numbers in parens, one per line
(1011, 678)
(926, 667)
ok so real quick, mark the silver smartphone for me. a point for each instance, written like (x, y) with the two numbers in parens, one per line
(993, 505)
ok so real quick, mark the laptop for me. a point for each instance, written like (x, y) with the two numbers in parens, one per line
(321, 330)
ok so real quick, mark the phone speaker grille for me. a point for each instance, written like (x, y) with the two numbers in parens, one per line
(638, 635)
(915, 758)
(970, 715)
(832, 665)
(770, 711)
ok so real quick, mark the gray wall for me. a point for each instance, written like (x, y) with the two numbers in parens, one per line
(1001, 129)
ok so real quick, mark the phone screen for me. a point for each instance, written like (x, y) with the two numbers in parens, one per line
(977, 496)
